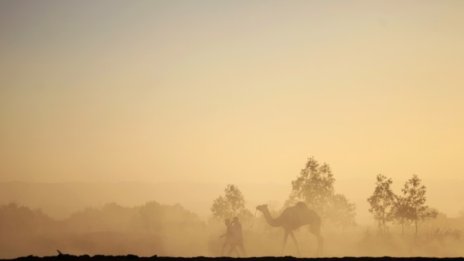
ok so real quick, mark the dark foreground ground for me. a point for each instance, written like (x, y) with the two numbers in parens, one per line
(287, 258)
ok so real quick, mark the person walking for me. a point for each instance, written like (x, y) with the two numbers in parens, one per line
(236, 240)
(228, 235)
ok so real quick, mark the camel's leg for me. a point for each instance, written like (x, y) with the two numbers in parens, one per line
(320, 242)
(296, 243)
(316, 231)
(285, 241)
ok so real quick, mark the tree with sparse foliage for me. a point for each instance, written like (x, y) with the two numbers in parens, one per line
(231, 204)
(401, 211)
(411, 205)
(315, 186)
(341, 211)
(382, 201)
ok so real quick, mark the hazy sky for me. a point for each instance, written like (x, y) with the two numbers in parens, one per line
(230, 91)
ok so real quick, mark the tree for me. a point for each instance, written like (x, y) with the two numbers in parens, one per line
(230, 205)
(410, 206)
(382, 201)
(315, 186)
(401, 211)
(341, 211)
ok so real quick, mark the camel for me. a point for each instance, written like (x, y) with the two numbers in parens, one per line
(291, 219)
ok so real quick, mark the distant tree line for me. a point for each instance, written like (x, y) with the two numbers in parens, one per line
(148, 229)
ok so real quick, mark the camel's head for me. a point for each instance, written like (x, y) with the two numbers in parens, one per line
(261, 207)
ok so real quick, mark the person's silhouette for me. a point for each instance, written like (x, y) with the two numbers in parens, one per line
(228, 237)
(237, 237)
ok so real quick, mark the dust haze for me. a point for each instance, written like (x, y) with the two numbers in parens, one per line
(239, 128)
(317, 219)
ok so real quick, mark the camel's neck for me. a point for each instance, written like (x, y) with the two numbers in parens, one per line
(269, 219)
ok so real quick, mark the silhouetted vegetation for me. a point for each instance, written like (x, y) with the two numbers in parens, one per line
(408, 207)
(230, 205)
(315, 186)
(411, 205)
(382, 202)
(144, 230)
(171, 230)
